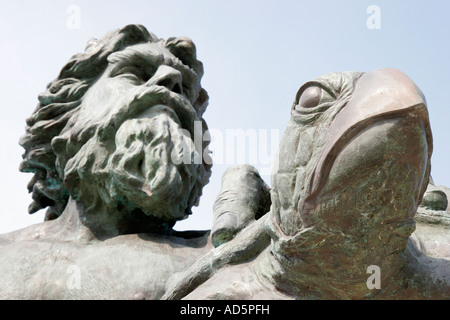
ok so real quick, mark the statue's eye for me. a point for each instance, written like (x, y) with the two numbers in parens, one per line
(310, 98)
(311, 101)
(133, 73)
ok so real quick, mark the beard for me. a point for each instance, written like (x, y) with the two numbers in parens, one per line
(148, 165)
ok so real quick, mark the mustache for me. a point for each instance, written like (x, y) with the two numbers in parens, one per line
(144, 99)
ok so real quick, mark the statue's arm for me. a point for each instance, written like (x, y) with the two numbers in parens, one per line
(247, 244)
(238, 229)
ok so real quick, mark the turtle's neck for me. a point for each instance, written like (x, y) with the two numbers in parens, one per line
(406, 276)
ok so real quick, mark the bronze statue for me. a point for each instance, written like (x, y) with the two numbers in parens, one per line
(114, 158)
(101, 145)
(353, 166)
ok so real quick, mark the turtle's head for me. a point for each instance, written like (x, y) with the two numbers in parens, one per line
(353, 165)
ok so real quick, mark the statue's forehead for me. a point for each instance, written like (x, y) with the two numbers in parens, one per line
(151, 52)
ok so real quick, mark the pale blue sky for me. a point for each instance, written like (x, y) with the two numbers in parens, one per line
(256, 54)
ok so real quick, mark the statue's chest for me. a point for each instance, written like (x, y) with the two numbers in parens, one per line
(42, 270)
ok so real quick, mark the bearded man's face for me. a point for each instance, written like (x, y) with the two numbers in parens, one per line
(135, 124)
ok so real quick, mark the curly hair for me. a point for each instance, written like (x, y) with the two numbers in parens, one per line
(62, 99)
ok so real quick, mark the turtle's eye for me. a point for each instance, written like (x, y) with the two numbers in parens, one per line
(311, 101)
(310, 98)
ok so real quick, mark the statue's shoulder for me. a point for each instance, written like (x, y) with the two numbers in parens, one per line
(33, 232)
(117, 267)
(49, 232)
(176, 242)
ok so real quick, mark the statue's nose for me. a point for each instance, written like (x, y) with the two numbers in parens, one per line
(168, 77)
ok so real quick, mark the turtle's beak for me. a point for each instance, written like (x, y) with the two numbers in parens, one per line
(379, 96)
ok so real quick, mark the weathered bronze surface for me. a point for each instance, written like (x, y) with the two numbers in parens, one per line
(350, 213)
(102, 145)
(353, 166)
